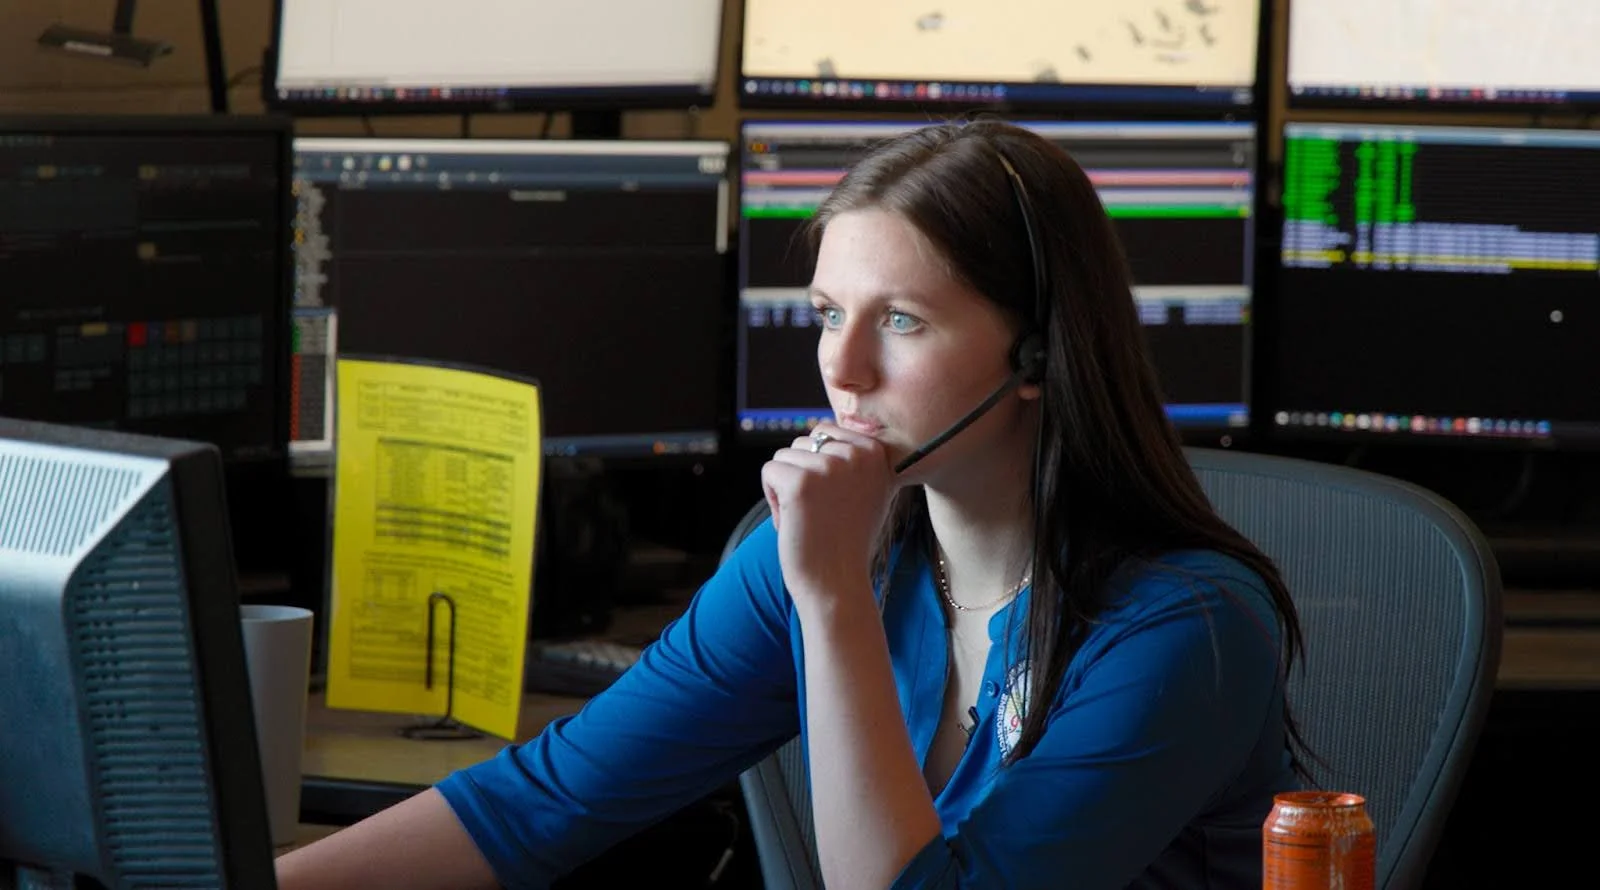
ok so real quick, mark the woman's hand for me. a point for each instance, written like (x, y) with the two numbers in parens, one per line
(828, 504)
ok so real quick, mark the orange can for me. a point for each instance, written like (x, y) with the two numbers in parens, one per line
(1318, 840)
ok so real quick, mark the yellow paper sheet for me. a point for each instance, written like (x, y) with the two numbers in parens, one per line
(436, 476)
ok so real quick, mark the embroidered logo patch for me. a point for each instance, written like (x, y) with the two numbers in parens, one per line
(1013, 708)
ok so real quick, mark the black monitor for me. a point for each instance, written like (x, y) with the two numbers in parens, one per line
(127, 760)
(145, 277)
(1433, 53)
(413, 56)
(1179, 194)
(1200, 54)
(597, 268)
(1437, 282)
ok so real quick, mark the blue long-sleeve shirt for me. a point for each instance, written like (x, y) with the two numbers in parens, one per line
(1164, 746)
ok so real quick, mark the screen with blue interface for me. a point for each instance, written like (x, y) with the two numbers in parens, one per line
(1438, 281)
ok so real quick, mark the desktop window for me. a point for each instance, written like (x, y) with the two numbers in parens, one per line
(144, 277)
(1044, 54)
(1455, 52)
(1438, 281)
(335, 54)
(596, 268)
(1179, 195)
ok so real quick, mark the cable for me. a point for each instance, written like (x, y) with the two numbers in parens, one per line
(243, 73)
(726, 810)
(1519, 491)
(1357, 455)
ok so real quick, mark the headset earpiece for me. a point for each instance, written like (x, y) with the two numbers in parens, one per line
(1027, 357)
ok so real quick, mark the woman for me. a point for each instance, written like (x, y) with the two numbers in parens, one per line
(1033, 658)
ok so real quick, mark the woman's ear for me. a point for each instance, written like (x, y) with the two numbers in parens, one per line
(1030, 392)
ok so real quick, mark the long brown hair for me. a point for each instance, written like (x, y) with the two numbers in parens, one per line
(1110, 481)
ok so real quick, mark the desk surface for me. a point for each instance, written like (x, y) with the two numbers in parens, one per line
(1552, 640)
(1549, 658)
(349, 754)
(367, 746)
(305, 835)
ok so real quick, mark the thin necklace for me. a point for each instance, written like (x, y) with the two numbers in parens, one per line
(943, 579)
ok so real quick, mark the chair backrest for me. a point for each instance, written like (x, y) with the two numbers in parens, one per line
(1398, 595)
(777, 791)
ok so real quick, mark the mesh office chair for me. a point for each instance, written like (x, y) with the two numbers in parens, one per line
(1399, 601)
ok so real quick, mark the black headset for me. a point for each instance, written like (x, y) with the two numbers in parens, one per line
(1028, 353)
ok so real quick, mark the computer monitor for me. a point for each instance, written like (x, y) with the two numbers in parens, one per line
(413, 56)
(599, 269)
(1442, 53)
(1437, 282)
(145, 277)
(1178, 193)
(126, 759)
(1042, 55)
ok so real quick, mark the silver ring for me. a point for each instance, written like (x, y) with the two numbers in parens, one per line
(818, 440)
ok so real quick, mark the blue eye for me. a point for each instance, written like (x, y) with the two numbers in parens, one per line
(901, 323)
(829, 317)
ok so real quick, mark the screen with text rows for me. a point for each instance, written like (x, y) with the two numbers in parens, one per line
(144, 278)
(595, 268)
(1438, 281)
(1179, 195)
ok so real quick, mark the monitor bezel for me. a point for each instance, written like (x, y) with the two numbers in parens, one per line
(643, 97)
(281, 128)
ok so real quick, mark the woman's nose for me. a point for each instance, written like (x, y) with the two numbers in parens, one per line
(849, 358)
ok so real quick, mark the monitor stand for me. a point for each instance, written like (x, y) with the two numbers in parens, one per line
(596, 123)
(582, 550)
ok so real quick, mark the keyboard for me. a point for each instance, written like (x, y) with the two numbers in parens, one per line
(577, 668)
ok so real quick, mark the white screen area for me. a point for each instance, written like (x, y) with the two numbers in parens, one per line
(1200, 42)
(498, 43)
(1501, 44)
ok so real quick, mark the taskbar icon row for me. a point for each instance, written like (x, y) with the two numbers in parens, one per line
(1439, 425)
(781, 420)
(830, 88)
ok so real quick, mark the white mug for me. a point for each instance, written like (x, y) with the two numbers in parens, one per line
(277, 649)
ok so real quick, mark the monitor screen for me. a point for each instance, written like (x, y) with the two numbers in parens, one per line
(596, 268)
(1179, 195)
(1438, 281)
(1369, 52)
(1039, 54)
(344, 56)
(145, 277)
